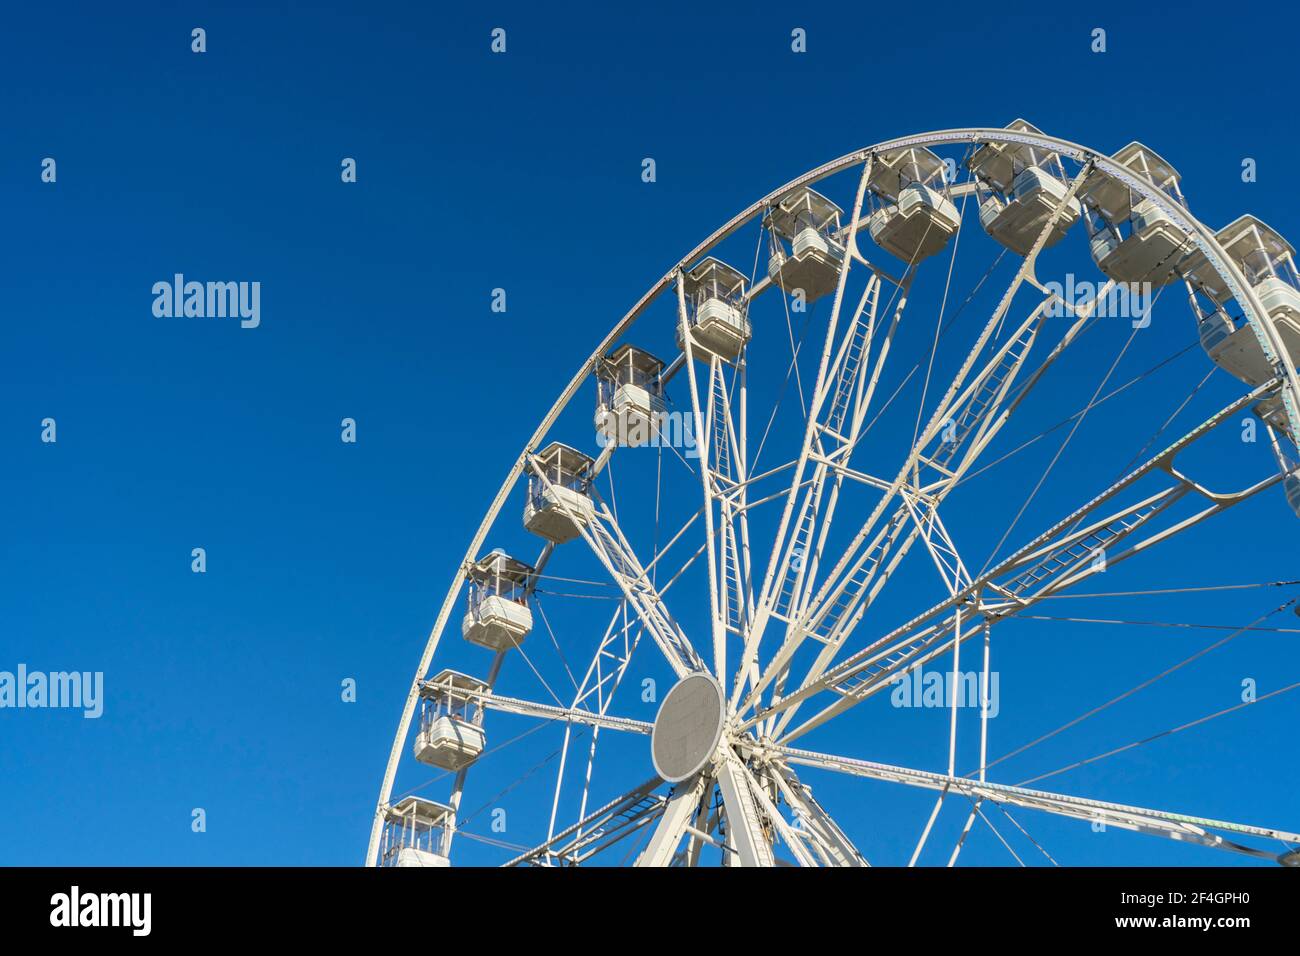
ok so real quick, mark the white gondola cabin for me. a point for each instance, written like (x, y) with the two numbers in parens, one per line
(1134, 242)
(1267, 261)
(912, 216)
(498, 617)
(716, 311)
(451, 721)
(1020, 187)
(998, 163)
(559, 501)
(806, 252)
(629, 397)
(413, 833)
(1291, 485)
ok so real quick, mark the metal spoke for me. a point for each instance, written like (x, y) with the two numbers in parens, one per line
(744, 826)
(678, 813)
(837, 846)
(780, 546)
(528, 708)
(1174, 826)
(620, 817)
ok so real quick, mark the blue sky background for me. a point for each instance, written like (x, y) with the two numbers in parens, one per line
(328, 561)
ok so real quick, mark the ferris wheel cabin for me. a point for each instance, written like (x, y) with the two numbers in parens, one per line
(806, 252)
(629, 397)
(451, 721)
(1268, 262)
(1020, 187)
(1134, 241)
(1291, 485)
(559, 502)
(498, 617)
(716, 311)
(413, 829)
(912, 216)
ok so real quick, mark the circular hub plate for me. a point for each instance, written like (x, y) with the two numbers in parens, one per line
(688, 727)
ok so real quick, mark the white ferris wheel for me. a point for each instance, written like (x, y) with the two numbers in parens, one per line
(777, 519)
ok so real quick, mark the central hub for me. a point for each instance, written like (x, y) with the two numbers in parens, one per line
(688, 727)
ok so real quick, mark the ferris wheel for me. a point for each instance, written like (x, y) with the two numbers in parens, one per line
(775, 514)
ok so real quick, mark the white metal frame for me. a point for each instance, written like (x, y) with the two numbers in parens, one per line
(734, 805)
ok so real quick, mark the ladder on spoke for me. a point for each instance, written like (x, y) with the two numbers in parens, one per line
(987, 392)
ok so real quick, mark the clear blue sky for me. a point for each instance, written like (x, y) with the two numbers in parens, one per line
(328, 561)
